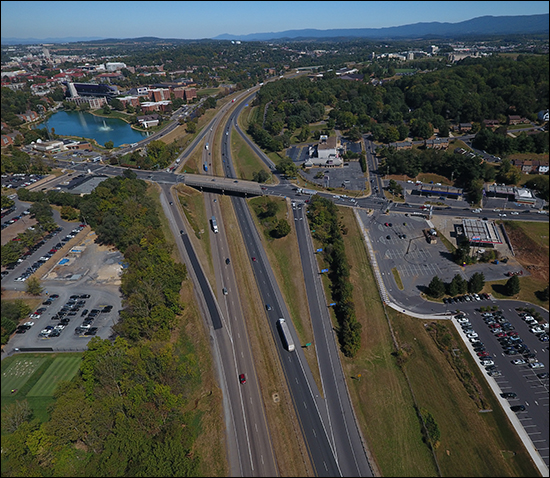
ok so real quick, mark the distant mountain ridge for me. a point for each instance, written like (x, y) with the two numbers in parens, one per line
(487, 25)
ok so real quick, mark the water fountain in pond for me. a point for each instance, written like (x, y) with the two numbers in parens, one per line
(105, 127)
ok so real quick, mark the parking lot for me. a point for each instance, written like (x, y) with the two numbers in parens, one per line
(80, 267)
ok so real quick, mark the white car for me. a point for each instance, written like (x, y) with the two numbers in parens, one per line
(518, 361)
(502, 214)
(486, 363)
(462, 320)
(514, 213)
(536, 330)
(472, 335)
(30, 324)
(536, 365)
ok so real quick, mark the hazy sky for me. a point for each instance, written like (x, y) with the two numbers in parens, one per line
(193, 20)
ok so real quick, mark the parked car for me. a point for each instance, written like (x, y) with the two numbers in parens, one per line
(518, 408)
(508, 395)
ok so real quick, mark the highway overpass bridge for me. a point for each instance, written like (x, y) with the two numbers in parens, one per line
(221, 184)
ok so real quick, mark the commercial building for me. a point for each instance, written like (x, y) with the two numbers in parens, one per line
(517, 195)
(92, 89)
(481, 233)
(324, 153)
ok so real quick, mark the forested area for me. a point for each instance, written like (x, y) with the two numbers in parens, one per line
(125, 413)
(471, 91)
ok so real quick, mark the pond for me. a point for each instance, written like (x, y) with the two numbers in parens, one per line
(86, 125)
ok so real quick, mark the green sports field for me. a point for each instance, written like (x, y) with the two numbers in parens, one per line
(34, 377)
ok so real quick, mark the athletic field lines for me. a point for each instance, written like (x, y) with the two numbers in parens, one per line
(18, 372)
(62, 368)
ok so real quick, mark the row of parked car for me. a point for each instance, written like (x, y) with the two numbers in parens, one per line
(536, 328)
(46, 257)
(466, 298)
(14, 219)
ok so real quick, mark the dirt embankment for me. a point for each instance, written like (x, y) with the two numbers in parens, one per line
(531, 255)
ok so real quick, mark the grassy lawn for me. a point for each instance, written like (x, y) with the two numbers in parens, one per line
(436, 178)
(458, 143)
(128, 118)
(207, 92)
(245, 161)
(35, 377)
(397, 278)
(312, 129)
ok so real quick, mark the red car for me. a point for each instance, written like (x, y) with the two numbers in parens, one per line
(242, 378)
(483, 354)
(254, 259)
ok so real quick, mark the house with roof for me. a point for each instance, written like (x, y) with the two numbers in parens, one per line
(28, 116)
(436, 143)
(516, 119)
(491, 123)
(543, 115)
(9, 138)
(148, 120)
(402, 145)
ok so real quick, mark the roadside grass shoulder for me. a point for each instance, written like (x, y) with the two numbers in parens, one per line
(246, 163)
(386, 387)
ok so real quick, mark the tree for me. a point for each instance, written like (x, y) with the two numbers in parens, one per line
(281, 229)
(14, 415)
(109, 144)
(543, 294)
(106, 109)
(512, 286)
(436, 288)
(260, 176)
(34, 287)
(271, 209)
(191, 127)
(69, 213)
(476, 283)
(117, 104)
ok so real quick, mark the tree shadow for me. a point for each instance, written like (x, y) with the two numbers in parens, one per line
(446, 255)
(499, 289)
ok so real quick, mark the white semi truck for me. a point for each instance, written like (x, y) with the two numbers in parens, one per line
(287, 338)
